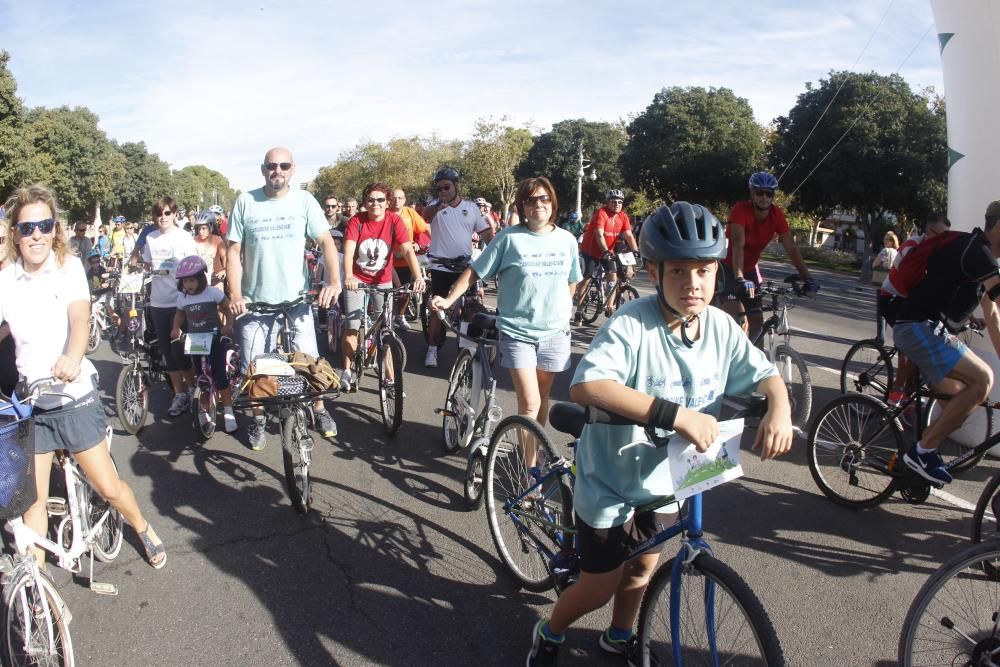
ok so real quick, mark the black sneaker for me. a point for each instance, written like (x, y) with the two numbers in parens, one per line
(325, 425)
(628, 649)
(930, 466)
(543, 651)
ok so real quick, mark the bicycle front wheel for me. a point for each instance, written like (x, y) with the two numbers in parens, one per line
(456, 426)
(390, 390)
(94, 336)
(952, 620)
(949, 449)
(522, 524)
(36, 624)
(626, 294)
(867, 369)
(592, 304)
(721, 621)
(985, 525)
(108, 539)
(795, 374)
(853, 447)
(131, 399)
(296, 455)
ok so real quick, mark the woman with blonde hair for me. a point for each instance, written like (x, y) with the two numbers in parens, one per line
(45, 300)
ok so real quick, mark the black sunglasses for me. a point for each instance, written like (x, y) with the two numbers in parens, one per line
(764, 193)
(375, 200)
(28, 228)
(271, 166)
(331, 205)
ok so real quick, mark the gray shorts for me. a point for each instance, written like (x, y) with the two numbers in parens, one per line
(259, 333)
(75, 427)
(550, 354)
(354, 302)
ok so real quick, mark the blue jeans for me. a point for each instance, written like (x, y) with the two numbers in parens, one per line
(259, 333)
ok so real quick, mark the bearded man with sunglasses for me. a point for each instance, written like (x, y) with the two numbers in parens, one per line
(752, 224)
(265, 263)
(453, 221)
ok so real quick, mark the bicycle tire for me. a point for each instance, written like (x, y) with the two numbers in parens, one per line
(459, 384)
(132, 399)
(626, 294)
(847, 446)
(296, 462)
(795, 374)
(949, 449)
(867, 369)
(592, 304)
(473, 482)
(207, 404)
(391, 398)
(108, 542)
(984, 529)
(93, 335)
(506, 478)
(961, 594)
(21, 598)
(752, 641)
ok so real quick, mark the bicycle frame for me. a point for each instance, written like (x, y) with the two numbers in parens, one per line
(776, 328)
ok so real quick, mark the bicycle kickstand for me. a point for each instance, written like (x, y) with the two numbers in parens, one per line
(96, 586)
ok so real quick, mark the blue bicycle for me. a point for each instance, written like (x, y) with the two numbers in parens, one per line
(695, 609)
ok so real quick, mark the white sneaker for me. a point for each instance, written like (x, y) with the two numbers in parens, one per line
(346, 378)
(179, 404)
(431, 360)
(228, 421)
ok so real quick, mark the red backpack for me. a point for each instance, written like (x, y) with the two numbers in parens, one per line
(913, 267)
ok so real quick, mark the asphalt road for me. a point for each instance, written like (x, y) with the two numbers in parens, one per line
(389, 569)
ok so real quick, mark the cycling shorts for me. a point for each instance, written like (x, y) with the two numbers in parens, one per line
(593, 266)
(605, 549)
(441, 282)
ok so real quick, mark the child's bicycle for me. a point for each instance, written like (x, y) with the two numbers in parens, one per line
(36, 618)
(696, 608)
(205, 402)
(470, 411)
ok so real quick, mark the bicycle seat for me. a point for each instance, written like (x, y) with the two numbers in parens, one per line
(483, 325)
(568, 418)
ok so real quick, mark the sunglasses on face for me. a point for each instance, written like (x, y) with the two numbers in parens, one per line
(375, 200)
(331, 205)
(165, 212)
(28, 228)
(272, 166)
(764, 193)
(544, 199)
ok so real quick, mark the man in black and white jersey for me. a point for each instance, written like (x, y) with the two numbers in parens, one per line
(962, 273)
(453, 221)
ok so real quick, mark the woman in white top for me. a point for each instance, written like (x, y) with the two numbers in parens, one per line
(887, 255)
(45, 300)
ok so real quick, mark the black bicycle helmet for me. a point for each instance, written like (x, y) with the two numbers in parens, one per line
(446, 174)
(682, 231)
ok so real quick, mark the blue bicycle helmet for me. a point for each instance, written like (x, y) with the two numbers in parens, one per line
(445, 174)
(762, 180)
(682, 231)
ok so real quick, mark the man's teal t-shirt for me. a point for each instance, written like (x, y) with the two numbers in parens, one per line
(273, 233)
(635, 348)
(534, 273)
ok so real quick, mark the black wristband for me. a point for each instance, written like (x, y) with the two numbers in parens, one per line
(663, 413)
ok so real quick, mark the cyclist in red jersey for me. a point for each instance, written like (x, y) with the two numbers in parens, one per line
(753, 223)
(607, 226)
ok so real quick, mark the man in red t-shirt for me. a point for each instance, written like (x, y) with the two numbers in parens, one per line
(753, 223)
(606, 228)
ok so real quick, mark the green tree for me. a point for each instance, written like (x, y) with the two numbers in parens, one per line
(556, 155)
(198, 187)
(491, 158)
(74, 157)
(880, 148)
(14, 148)
(146, 177)
(693, 144)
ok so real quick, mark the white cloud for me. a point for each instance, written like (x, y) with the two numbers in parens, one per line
(219, 83)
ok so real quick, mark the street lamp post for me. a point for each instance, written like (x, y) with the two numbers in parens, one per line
(584, 164)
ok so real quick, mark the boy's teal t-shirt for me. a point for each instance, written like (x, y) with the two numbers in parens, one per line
(272, 234)
(534, 271)
(635, 348)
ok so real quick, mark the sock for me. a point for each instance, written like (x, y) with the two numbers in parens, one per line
(921, 450)
(228, 410)
(618, 635)
(551, 636)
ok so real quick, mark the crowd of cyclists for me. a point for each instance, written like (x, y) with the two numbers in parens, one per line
(665, 360)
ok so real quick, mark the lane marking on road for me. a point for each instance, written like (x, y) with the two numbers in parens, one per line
(953, 499)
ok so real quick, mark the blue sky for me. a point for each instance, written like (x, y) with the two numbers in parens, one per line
(217, 83)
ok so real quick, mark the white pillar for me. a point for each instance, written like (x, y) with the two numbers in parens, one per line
(969, 36)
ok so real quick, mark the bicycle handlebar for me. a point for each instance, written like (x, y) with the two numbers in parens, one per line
(277, 308)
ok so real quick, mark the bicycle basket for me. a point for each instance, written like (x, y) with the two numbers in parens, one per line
(271, 375)
(17, 468)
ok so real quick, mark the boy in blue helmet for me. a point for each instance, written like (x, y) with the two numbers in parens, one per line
(664, 360)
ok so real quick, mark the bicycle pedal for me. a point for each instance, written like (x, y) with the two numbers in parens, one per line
(445, 412)
(56, 506)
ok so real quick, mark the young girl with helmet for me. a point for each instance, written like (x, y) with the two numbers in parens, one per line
(202, 308)
(664, 360)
